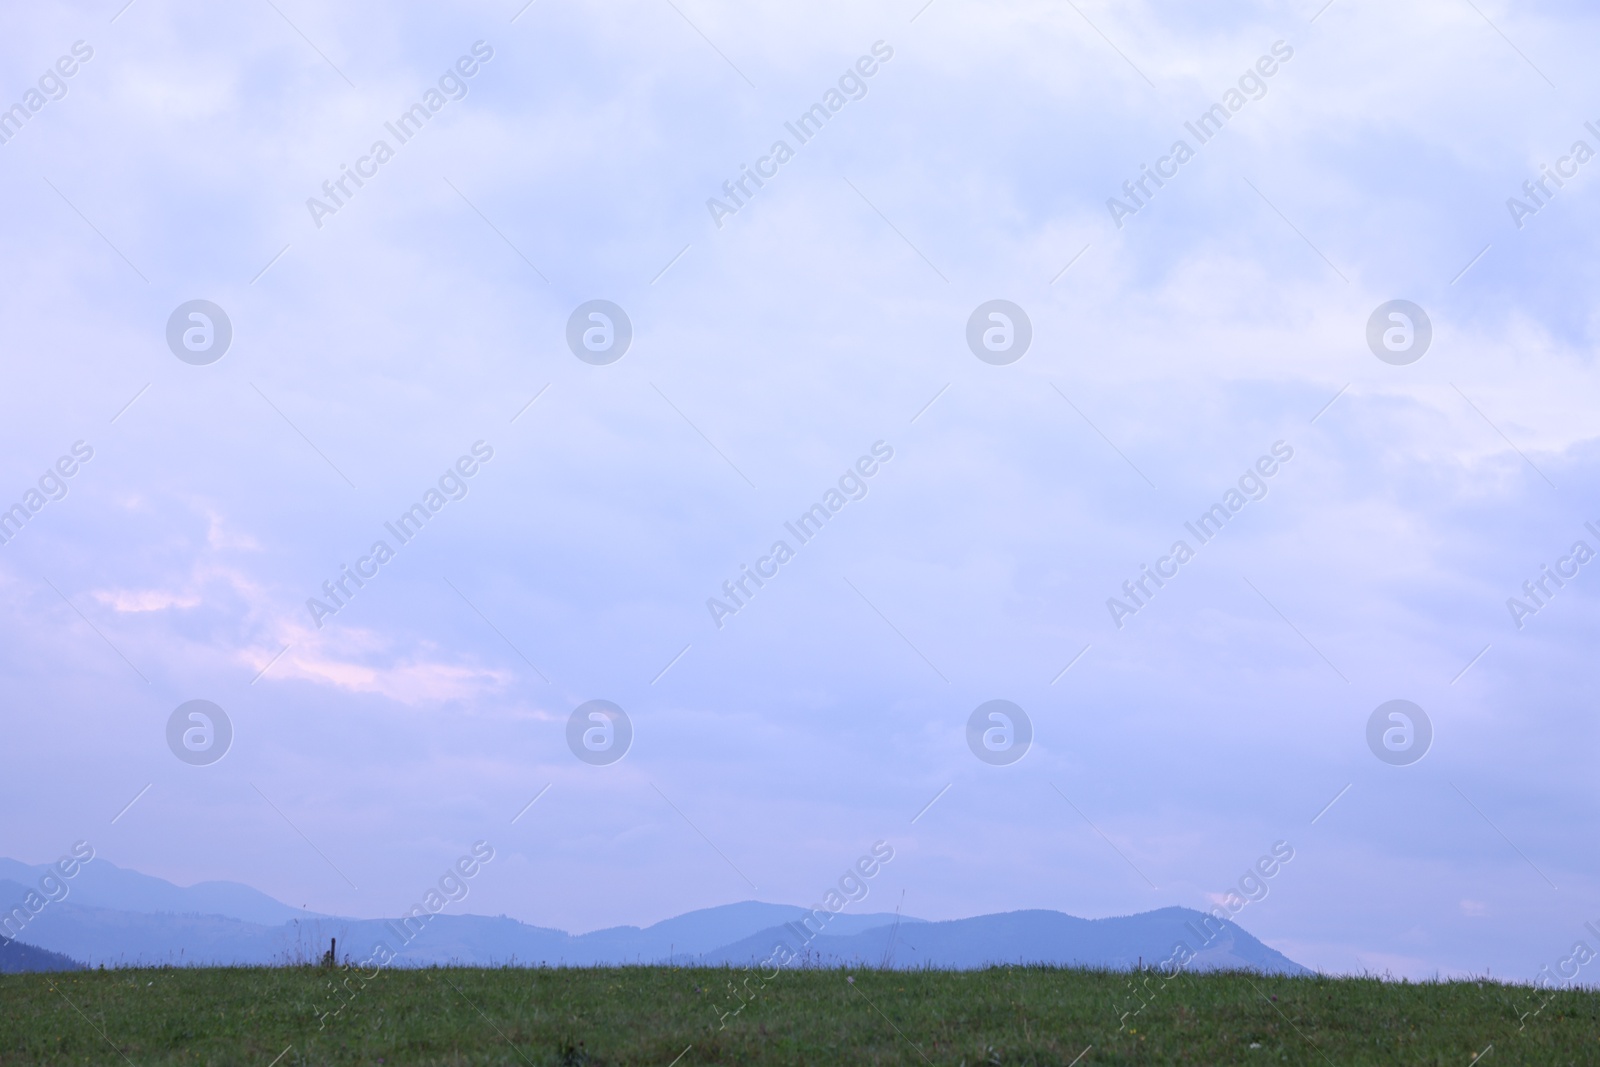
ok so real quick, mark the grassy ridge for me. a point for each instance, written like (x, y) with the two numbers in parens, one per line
(651, 1015)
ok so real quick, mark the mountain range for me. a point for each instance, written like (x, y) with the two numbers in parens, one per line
(118, 917)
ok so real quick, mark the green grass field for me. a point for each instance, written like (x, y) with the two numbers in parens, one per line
(655, 1015)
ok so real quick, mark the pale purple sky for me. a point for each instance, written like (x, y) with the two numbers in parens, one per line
(1176, 337)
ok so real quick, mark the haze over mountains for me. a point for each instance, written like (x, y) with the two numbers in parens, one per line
(114, 916)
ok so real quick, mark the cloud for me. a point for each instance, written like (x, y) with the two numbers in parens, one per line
(137, 600)
(406, 682)
(824, 316)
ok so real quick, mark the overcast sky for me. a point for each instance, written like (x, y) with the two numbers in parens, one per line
(1178, 337)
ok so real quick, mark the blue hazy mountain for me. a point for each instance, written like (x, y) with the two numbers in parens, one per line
(113, 937)
(16, 957)
(105, 885)
(124, 918)
(1021, 937)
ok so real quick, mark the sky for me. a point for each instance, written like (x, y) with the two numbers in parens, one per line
(359, 348)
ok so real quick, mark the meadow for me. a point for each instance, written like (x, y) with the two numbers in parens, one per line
(290, 1016)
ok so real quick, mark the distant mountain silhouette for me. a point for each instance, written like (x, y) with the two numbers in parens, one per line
(105, 885)
(1047, 937)
(16, 957)
(112, 937)
(121, 917)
